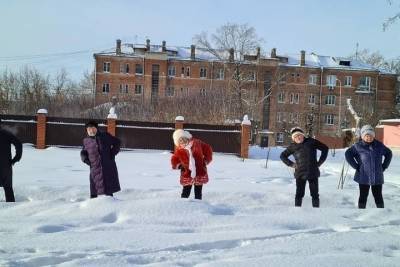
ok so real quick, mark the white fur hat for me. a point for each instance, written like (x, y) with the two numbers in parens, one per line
(179, 134)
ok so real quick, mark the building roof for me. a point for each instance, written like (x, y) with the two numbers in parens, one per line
(312, 60)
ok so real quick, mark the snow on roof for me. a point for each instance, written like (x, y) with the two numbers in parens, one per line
(312, 60)
(319, 61)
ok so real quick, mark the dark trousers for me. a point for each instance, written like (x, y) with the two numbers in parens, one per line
(197, 191)
(9, 193)
(300, 190)
(376, 192)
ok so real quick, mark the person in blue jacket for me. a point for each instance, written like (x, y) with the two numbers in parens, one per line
(365, 157)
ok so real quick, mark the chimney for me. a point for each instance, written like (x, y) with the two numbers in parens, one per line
(118, 47)
(164, 46)
(192, 52)
(231, 55)
(258, 52)
(148, 45)
(273, 53)
(303, 58)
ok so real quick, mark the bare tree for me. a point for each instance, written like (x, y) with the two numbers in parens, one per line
(392, 19)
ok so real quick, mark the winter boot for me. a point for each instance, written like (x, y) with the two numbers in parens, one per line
(315, 202)
(380, 205)
(297, 202)
(362, 205)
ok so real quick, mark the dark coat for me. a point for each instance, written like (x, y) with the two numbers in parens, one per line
(6, 162)
(367, 160)
(99, 153)
(305, 154)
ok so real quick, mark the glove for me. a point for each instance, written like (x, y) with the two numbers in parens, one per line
(13, 161)
(180, 167)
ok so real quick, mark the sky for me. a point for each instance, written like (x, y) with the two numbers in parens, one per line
(51, 35)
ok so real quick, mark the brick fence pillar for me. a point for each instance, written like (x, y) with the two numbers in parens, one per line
(245, 137)
(179, 122)
(112, 122)
(41, 128)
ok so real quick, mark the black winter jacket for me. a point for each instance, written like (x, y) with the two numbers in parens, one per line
(6, 140)
(305, 155)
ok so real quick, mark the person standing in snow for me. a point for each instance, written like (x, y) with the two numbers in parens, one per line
(6, 161)
(365, 157)
(99, 151)
(191, 156)
(306, 165)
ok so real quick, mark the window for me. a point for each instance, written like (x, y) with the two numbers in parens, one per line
(123, 89)
(311, 99)
(203, 92)
(331, 81)
(171, 71)
(279, 116)
(184, 91)
(203, 73)
(139, 69)
(187, 71)
(170, 91)
(106, 88)
(365, 83)
(328, 119)
(330, 100)
(347, 81)
(138, 89)
(281, 97)
(312, 79)
(220, 74)
(294, 98)
(252, 76)
(293, 117)
(279, 137)
(106, 66)
(183, 71)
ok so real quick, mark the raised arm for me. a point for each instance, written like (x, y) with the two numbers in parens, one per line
(324, 151)
(387, 153)
(350, 155)
(285, 157)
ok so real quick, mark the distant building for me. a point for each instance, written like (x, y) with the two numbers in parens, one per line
(301, 86)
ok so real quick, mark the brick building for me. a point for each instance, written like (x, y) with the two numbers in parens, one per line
(300, 86)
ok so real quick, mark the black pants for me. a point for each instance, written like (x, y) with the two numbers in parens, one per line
(9, 193)
(300, 190)
(376, 192)
(197, 191)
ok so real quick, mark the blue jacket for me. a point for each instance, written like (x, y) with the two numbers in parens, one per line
(367, 160)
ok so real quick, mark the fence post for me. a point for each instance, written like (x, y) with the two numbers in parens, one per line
(112, 122)
(245, 137)
(179, 122)
(41, 128)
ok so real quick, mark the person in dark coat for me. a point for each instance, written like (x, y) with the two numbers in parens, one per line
(6, 161)
(365, 157)
(99, 151)
(306, 165)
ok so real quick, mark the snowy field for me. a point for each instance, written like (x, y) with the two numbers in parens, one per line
(247, 216)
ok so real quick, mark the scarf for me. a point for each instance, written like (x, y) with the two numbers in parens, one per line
(192, 163)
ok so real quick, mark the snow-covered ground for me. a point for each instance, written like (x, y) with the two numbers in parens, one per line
(247, 217)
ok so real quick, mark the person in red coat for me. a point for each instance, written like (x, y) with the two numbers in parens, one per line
(191, 156)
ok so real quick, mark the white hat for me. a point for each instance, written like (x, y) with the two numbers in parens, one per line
(179, 134)
(296, 131)
(367, 129)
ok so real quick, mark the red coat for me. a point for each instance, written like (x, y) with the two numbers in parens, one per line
(202, 154)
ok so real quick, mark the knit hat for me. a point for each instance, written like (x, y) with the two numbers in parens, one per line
(296, 131)
(91, 124)
(179, 134)
(367, 129)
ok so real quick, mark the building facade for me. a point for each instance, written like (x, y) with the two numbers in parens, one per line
(293, 90)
